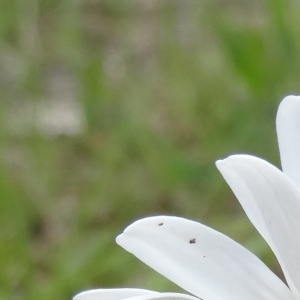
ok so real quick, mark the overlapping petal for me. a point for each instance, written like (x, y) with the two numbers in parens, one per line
(272, 203)
(201, 260)
(288, 132)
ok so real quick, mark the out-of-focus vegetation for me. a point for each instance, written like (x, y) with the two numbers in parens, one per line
(115, 110)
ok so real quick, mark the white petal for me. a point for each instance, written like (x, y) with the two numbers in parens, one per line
(272, 203)
(288, 132)
(201, 260)
(113, 294)
(130, 294)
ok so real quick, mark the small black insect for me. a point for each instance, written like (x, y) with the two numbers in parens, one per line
(192, 241)
(160, 224)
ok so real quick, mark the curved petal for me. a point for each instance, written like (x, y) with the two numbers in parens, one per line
(272, 203)
(130, 294)
(288, 132)
(113, 294)
(201, 260)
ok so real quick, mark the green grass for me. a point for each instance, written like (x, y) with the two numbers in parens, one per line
(162, 89)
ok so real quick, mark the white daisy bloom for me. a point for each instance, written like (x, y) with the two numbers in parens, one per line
(210, 265)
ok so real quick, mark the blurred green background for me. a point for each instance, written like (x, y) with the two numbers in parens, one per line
(115, 110)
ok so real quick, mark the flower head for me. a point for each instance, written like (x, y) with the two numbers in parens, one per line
(210, 265)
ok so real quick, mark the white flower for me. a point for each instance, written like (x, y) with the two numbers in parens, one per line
(207, 263)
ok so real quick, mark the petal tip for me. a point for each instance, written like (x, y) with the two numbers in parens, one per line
(222, 163)
(288, 103)
(291, 99)
(120, 239)
(81, 295)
